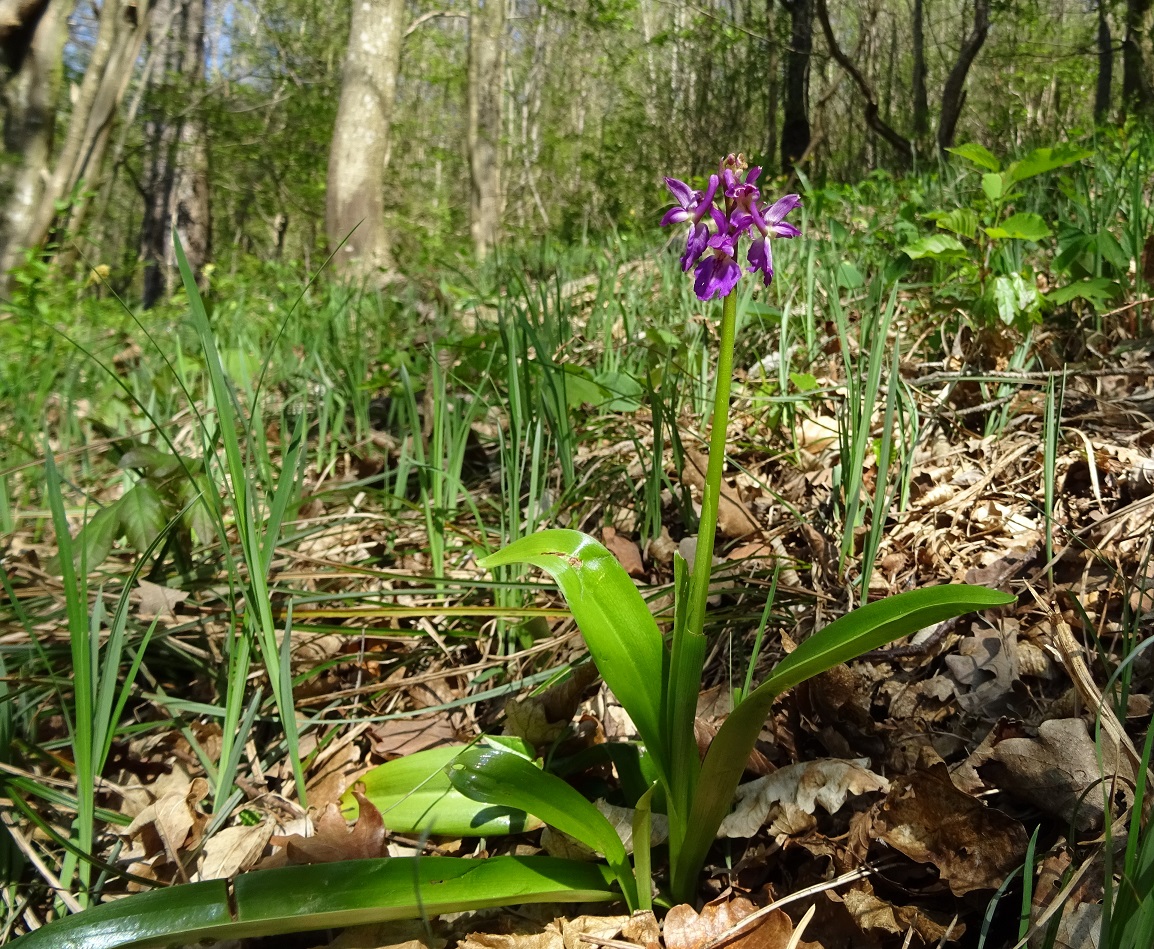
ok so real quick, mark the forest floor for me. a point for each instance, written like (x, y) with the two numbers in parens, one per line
(897, 797)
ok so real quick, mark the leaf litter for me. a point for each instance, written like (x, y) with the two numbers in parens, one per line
(923, 768)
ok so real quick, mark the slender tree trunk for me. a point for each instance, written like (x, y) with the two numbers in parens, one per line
(954, 92)
(1138, 57)
(1105, 67)
(898, 142)
(921, 100)
(123, 26)
(486, 75)
(773, 90)
(31, 42)
(176, 182)
(795, 129)
(355, 202)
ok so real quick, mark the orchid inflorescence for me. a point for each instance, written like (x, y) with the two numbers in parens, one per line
(717, 272)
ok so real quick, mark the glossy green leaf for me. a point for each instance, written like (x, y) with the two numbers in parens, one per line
(868, 627)
(1025, 226)
(621, 633)
(1045, 159)
(935, 246)
(978, 154)
(962, 221)
(498, 776)
(142, 515)
(415, 796)
(299, 899)
(94, 542)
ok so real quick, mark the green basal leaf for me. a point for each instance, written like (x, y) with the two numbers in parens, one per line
(1024, 226)
(415, 796)
(868, 627)
(1045, 159)
(299, 899)
(498, 776)
(962, 221)
(978, 154)
(993, 185)
(935, 246)
(622, 635)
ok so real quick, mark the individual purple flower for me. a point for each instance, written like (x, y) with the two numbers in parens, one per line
(770, 222)
(718, 273)
(693, 206)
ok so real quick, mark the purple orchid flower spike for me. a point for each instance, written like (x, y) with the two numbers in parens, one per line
(693, 206)
(714, 251)
(770, 222)
(718, 273)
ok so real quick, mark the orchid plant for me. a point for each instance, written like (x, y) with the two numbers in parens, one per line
(658, 683)
(495, 786)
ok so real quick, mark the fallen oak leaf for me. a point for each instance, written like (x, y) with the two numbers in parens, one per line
(685, 928)
(827, 782)
(333, 841)
(928, 819)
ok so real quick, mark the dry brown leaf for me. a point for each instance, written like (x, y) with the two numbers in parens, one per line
(559, 934)
(171, 824)
(872, 913)
(805, 785)
(987, 666)
(686, 929)
(232, 850)
(625, 550)
(733, 517)
(158, 602)
(332, 840)
(407, 736)
(396, 934)
(973, 846)
(1058, 771)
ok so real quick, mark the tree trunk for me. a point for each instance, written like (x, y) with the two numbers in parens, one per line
(900, 144)
(1138, 57)
(1105, 67)
(176, 178)
(773, 92)
(31, 42)
(355, 201)
(123, 25)
(921, 100)
(795, 129)
(954, 91)
(486, 73)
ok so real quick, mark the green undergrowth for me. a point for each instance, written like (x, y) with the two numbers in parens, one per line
(237, 453)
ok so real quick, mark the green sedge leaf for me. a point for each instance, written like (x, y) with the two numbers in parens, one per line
(415, 796)
(621, 633)
(978, 154)
(299, 899)
(498, 776)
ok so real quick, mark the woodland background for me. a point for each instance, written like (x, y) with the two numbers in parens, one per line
(273, 131)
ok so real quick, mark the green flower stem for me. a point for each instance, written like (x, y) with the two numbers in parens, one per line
(688, 658)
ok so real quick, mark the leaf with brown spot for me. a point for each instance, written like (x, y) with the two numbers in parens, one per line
(973, 846)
